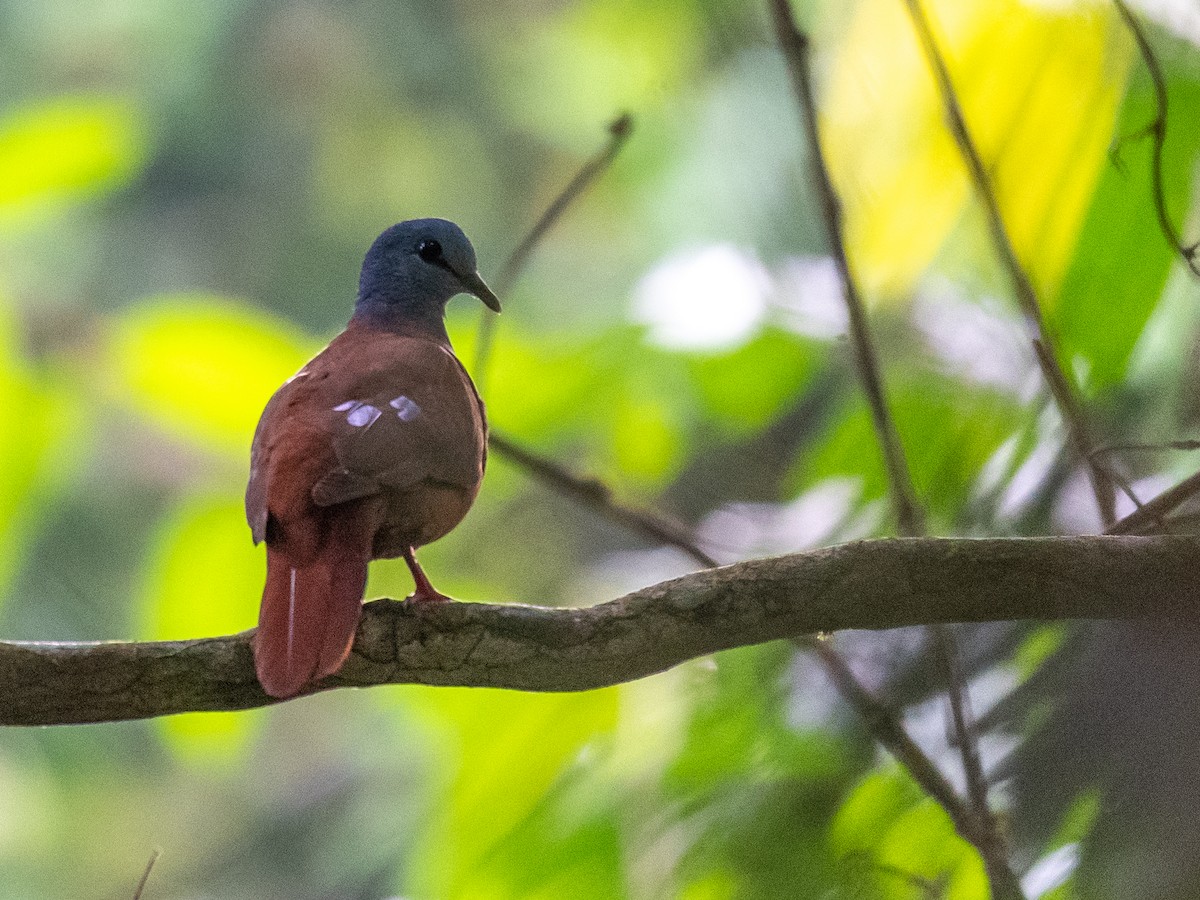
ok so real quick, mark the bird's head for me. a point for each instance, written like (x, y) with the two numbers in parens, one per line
(413, 269)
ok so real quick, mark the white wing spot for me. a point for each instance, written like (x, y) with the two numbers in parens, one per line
(363, 415)
(406, 409)
(291, 619)
(342, 407)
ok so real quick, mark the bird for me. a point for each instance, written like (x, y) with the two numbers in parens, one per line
(375, 448)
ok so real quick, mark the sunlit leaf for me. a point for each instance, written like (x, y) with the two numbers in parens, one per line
(711, 886)
(44, 430)
(576, 831)
(1039, 84)
(736, 728)
(870, 809)
(629, 403)
(1038, 646)
(509, 749)
(203, 578)
(201, 367)
(969, 879)
(922, 841)
(948, 431)
(744, 389)
(1118, 275)
(68, 149)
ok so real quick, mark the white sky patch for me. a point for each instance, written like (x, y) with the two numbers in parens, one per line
(823, 514)
(1075, 510)
(808, 299)
(927, 723)
(1179, 16)
(977, 339)
(1051, 871)
(1028, 478)
(713, 298)
(626, 571)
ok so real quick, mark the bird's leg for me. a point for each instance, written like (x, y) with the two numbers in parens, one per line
(425, 592)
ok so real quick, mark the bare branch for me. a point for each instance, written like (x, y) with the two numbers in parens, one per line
(886, 729)
(618, 130)
(1061, 388)
(909, 514)
(597, 496)
(869, 584)
(141, 885)
(964, 722)
(1152, 513)
(794, 44)
(1157, 131)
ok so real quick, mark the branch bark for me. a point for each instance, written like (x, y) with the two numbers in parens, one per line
(869, 584)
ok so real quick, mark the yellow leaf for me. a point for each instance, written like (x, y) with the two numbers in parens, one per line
(45, 429)
(1039, 85)
(203, 578)
(202, 367)
(69, 149)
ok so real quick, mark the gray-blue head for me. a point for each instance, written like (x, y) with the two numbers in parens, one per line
(411, 272)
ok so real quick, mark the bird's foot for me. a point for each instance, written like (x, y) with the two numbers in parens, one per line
(428, 596)
(425, 592)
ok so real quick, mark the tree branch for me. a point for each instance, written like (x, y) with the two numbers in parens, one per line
(794, 44)
(910, 515)
(1063, 390)
(597, 496)
(618, 133)
(1157, 130)
(869, 584)
(972, 822)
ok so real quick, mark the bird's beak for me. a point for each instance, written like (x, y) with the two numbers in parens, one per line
(473, 284)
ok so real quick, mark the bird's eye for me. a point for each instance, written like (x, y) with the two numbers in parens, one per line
(430, 251)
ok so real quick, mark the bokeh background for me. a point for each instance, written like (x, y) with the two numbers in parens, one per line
(186, 192)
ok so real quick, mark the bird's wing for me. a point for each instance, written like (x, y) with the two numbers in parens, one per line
(374, 412)
(256, 488)
(292, 450)
(412, 416)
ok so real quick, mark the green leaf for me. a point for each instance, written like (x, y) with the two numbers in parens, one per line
(509, 749)
(746, 388)
(948, 430)
(201, 367)
(45, 429)
(67, 150)
(1037, 647)
(922, 841)
(203, 578)
(1122, 261)
(876, 802)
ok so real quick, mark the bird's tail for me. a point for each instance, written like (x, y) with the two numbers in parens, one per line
(309, 613)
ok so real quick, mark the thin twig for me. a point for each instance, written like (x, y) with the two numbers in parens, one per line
(1148, 448)
(1154, 511)
(141, 885)
(885, 727)
(964, 723)
(618, 132)
(1062, 389)
(597, 496)
(910, 516)
(1157, 130)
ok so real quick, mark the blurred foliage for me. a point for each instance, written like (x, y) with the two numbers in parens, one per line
(186, 195)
